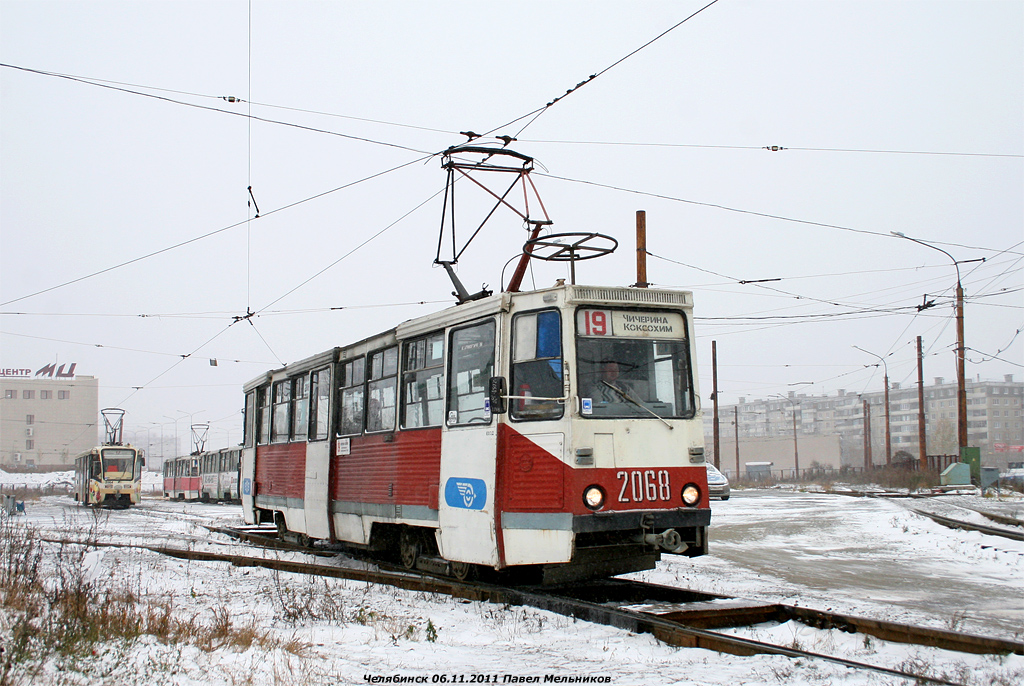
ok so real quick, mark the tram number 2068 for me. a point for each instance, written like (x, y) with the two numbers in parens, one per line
(639, 486)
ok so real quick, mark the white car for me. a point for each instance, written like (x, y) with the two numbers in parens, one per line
(718, 485)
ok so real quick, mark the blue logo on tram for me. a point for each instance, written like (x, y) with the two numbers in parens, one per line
(246, 486)
(466, 493)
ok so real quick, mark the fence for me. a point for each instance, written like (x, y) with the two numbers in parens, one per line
(35, 490)
(936, 463)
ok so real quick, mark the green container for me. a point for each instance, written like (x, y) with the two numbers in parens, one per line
(956, 474)
(972, 456)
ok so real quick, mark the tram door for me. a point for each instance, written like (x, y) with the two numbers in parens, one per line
(318, 456)
(468, 447)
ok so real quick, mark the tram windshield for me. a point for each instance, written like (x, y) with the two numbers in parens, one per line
(118, 464)
(633, 364)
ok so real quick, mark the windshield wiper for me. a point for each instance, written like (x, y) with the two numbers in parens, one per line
(625, 396)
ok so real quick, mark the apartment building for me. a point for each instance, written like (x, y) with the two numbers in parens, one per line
(994, 422)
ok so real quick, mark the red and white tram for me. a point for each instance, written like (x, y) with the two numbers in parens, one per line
(181, 478)
(555, 430)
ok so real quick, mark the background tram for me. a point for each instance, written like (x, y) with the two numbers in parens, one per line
(110, 475)
(555, 430)
(207, 476)
(181, 478)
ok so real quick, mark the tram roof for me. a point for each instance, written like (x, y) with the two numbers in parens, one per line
(474, 309)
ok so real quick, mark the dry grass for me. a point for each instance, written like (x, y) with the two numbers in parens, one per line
(52, 610)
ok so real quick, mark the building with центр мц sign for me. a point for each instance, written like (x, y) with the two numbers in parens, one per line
(47, 417)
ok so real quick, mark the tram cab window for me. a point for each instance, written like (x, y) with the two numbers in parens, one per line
(536, 366)
(423, 382)
(352, 396)
(263, 415)
(633, 364)
(282, 403)
(470, 370)
(300, 408)
(382, 391)
(320, 404)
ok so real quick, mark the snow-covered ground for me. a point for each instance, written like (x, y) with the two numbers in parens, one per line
(864, 556)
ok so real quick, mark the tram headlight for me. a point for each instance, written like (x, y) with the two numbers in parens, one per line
(593, 497)
(691, 494)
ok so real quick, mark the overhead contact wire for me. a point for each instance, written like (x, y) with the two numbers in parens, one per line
(215, 232)
(541, 110)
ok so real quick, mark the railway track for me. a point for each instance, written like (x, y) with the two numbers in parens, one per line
(678, 617)
(969, 526)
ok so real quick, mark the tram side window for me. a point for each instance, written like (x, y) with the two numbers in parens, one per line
(470, 371)
(282, 402)
(247, 419)
(263, 415)
(320, 404)
(352, 397)
(423, 382)
(382, 390)
(537, 366)
(300, 408)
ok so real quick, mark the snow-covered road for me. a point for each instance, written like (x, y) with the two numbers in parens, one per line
(861, 556)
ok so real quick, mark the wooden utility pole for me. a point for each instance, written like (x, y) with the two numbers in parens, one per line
(867, 437)
(961, 380)
(922, 438)
(641, 249)
(888, 431)
(714, 401)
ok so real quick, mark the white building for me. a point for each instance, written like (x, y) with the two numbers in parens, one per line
(47, 417)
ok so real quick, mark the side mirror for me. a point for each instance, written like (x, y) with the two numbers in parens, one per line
(498, 390)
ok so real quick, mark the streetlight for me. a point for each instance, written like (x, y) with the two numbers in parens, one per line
(175, 420)
(888, 432)
(961, 380)
(796, 453)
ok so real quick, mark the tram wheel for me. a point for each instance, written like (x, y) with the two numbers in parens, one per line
(461, 570)
(408, 550)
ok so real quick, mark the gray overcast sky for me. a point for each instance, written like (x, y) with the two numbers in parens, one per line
(93, 177)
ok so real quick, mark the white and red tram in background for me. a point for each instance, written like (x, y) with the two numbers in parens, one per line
(181, 478)
(218, 474)
(208, 476)
(555, 431)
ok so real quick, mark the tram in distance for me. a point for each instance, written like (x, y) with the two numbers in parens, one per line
(554, 431)
(207, 476)
(110, 475)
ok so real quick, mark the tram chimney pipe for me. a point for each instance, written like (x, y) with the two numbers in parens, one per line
(641, 249)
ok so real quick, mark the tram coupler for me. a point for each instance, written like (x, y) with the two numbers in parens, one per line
(669, 539)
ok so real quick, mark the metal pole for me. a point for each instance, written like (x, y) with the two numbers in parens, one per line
(796, 453)
(714, 401)
(867, 437)
(736, 422)
(961, 372)
(641, 249)
(888, 431)
(922, 437)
